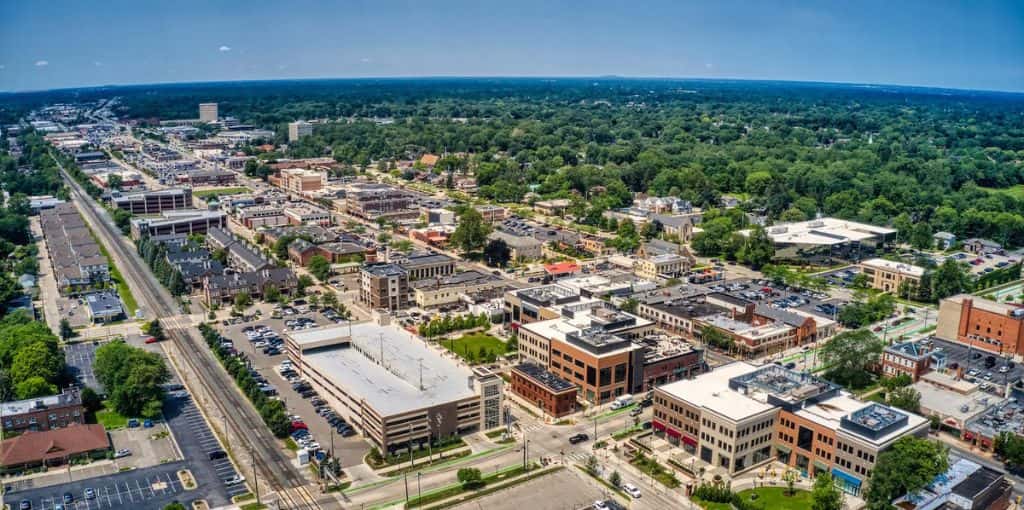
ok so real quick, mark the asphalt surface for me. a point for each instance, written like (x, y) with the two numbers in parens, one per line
(145, 488)
(79, 358)
(196, 441)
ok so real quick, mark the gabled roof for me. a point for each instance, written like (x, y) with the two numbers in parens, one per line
(31, 447)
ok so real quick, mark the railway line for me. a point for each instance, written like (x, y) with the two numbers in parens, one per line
(272, 465)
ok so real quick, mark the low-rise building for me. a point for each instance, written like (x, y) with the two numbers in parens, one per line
(43, 413)
(178, 222)
(222, 289)
(555, 207)
(54, 447)
(420, 265)
(393, 387)
(154, 202)
(240, 254)
(384, 286)
(445, 290)
(982, 324)
(966, 485)
(301, 180)
(262, 216)
(299, 129)
(740, 416)
(522, 248)
(913, 359)
(944, 240)
(555, 396)
(104, 306)
(305, 214)
(371, 201)
(662, 267)
(888, 276)
(982, 246)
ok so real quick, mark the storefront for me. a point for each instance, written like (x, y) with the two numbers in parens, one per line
(846, 482)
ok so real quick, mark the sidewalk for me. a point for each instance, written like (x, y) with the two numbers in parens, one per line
(48, 292)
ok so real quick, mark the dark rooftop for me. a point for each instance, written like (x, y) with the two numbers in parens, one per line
(541, 376)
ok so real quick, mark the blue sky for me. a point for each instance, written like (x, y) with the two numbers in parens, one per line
(972, 44)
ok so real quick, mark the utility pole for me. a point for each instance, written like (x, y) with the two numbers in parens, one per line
(255, 479)
(406, 476)
(419, 491)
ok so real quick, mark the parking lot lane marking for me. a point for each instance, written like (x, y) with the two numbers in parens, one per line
(130, 495)
(120, 500)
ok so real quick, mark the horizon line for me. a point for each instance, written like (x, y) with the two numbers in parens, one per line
(524, 77)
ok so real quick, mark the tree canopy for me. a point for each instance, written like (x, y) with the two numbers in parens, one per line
(849, 355)
(908, 465)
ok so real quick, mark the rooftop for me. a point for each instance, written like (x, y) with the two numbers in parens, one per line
(711, 392)
(384, 270)
(543, 377)
(68, 398)
(825, 232)
(392, 370)
(895, 267)
(780, 386)
(1006, 416)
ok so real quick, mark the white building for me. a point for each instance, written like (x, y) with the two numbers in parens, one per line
(208, 112)
(298, 129)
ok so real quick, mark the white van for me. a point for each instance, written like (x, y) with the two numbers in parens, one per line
(622, 401)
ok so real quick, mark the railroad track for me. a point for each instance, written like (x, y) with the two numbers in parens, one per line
(272, 465)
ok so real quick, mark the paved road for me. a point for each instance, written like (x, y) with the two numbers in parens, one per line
(156, 301)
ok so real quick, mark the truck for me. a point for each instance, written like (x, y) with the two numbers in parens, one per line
(622, 401)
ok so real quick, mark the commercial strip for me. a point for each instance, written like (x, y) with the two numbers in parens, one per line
(742, 416)
(393, 386)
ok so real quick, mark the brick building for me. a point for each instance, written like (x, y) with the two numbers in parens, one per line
(550, 393)
(44, 413)
(982, 323)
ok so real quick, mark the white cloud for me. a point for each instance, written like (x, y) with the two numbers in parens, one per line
(42, 63)
(3, 66)
(366, 59)
(709, 65)
(224, 49)
(97, 63)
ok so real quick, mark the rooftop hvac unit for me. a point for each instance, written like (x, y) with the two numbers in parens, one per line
(778, 230)
(816, 224)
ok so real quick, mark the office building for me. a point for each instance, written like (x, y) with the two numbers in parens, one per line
(740, 416)
(384, 286)
(178, 222)
(371, 201)
(445, 290)
(393, 387)
(43, 413)
(301, 180)
(422, 265)
(208, 112)
(104, 306)
(888, 276)
(299, 129)
(827, 238)
(54, 447)
(554, 396)
(522, 248)
(154, 202)
(305, 214)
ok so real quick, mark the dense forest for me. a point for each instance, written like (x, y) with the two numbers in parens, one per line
(923, 159)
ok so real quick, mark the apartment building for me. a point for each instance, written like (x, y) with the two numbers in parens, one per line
(422, 265)
(154, 202)
(301, 180)
(240, 254)
(262, 216)
(371, 201)
(741, 416)
(982, 324)
(299, 129)
(222, 289)
(208, 112)
(77, 261)
(888, 276)
(393, 387)
(913, 359)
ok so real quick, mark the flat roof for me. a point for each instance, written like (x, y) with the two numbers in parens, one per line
(953, 404)
(391, 386)
(711, 391)
(895, 267)
(543, 377)
(836, 412)
(825, 232)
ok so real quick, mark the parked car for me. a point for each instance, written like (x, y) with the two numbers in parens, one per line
(123, 452)
(234, 480)
(90, 493)
(631, 489)
(217, 454)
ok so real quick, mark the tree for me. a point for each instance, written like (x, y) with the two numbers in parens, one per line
(825, 495)
(790, 477)
(90, 400)
(175, 505)
(242, 300)
(114, 182)
(65, 330)
(715, 338)
(756, 248)
(497, 253)
(615, 479)
(1010, 447)
(470, 478)
(921, 236)
(33, 387)
(156, 330)
(906, 398)
(123, 220)
(133, 378)
(908, 466)
(849, 355)
(37, 360)
(320, 267)
(304, 282)
(591, 464)
(472, 232)
(949, 279)
(271, 293)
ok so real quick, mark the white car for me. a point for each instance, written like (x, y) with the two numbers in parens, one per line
(631, 489)
(123, 452)
(234, 480)
(600, 505)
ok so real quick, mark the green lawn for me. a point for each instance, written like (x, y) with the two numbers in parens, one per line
(110, 419)
(469, 347)
(770, 498)
(122, 286)
(220, 192)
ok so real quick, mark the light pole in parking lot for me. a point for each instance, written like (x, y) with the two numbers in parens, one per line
(255, 479)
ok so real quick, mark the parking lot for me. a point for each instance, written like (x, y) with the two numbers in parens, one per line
(349, 450)
(977, 367)
(147, 488)
(79, 358)
(197, 441)
(778, 296)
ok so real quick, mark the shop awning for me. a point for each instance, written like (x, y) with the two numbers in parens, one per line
(671, 432)
(850, 479)
(658, 425)
(783, 448)
(689, 441)
(820, 466)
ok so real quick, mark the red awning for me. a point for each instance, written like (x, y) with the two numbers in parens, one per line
(671, 432)
(690, 441)
(657, 425)
(968, 436)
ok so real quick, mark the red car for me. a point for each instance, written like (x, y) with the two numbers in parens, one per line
(298, 425)
(151, 340)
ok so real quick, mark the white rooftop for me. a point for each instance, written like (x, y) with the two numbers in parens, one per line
(391, 386)
(825, 232)
(829, 413)
(711, 392)
(896, 267)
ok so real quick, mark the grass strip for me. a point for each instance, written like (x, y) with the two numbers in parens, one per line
(604, 482)
(457, 488)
